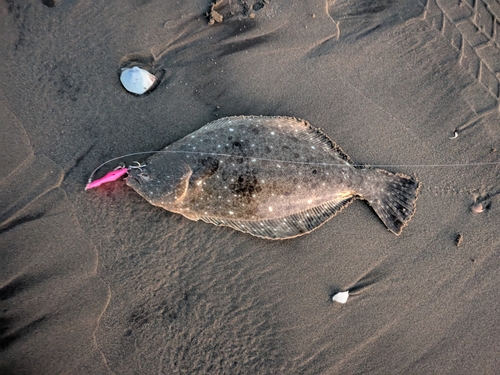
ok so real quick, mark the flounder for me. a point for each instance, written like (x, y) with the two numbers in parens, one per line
(272, 177)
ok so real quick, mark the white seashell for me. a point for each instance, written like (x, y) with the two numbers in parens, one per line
(341, 297)
(477, 208)
(137, 80)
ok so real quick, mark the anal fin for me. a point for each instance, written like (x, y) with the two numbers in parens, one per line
(288, 226)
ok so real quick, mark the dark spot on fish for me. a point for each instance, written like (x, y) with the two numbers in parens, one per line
(246, 8)
(258, 6)
(314, 171)
(211, 165)
(49, 3)
(246, 184)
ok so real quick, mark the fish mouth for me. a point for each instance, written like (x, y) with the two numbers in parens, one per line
(133, 178)
(138, 176)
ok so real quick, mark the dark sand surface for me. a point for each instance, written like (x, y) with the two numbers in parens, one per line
(99, 281)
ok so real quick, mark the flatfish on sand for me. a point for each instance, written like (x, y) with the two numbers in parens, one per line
(272, 177)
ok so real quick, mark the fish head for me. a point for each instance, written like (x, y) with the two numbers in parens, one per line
(162, 181)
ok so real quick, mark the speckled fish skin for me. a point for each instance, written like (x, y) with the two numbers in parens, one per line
(272, 177)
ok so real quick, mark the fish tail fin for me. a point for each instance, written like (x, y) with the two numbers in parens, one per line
(392, 197)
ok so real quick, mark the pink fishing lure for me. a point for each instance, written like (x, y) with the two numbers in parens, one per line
(111, 176)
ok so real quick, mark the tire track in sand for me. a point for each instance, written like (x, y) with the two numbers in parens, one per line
(473, 29)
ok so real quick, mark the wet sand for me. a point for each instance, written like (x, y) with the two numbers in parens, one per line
(99, 281)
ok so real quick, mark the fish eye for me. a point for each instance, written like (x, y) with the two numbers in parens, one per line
(143, 175)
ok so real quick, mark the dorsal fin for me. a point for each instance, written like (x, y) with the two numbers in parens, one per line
(325, 139)
(297, 127)
(289, 226)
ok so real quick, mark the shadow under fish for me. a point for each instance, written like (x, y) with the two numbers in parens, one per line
(272, 177)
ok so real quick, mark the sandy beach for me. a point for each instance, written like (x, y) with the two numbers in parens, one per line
(102, 282)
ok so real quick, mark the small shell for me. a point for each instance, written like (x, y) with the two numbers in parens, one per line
(477, 208)
(341, 297)
(137, 80)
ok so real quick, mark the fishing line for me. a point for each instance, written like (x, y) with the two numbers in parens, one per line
(294, 162)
